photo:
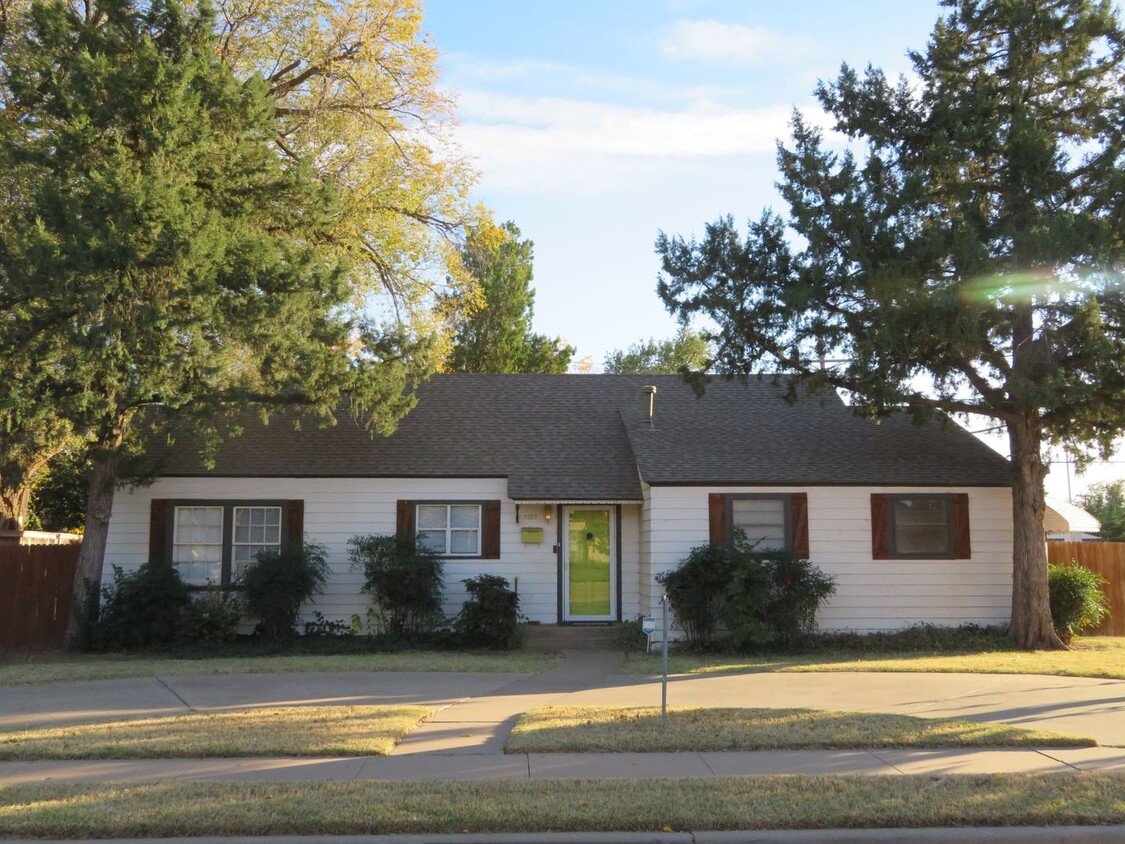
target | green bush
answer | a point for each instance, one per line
(212, 615)
(490, 617)
(919, 638)
(697, 588)
(798, 588)
(735, 597)
(142, 608)
(332, 628)
(277, 583)
(1077, 600)
(743, 610)
(403, 578)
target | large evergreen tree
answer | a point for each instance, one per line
(492, 323)
(963, 256)
(355, 96)
(156, 249)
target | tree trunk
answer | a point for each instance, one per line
(99, 508)
(1031, 610)
(13, 505)
(17, 477)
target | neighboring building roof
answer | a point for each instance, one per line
(1064, 517)
(584, 437)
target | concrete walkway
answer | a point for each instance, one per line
(464, 739)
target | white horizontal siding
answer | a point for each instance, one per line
(337, 509)
(870, 594)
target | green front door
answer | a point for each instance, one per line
(588, 579)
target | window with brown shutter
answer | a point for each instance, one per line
(764, 520)
(210, 541)
(922, 526)
(461, 529)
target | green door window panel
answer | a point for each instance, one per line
(589, 563)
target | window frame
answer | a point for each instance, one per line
(786, 500)
(228, 507)
(950, 552)
(478, 554)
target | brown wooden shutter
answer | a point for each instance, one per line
(404, 517)
(717, 516)
(490, 530)
(295, 522)
(158, 541)
(799, 515)
(880, 527)
(961, 547)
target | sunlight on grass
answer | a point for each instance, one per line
(120, 667)
(593, 729)
(1102, 656)
(281, 731)
(357, 807)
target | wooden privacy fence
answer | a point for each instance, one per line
(1108, 560)
(35, 587)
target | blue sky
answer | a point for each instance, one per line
(596, 124)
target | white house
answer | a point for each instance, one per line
(580, 489)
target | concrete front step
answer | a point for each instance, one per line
(555, 637)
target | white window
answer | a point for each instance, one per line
(762, 521)
(256, 529)
(197, 544)
(921, 526)
(450, 529)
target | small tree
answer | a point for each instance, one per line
(492, 324)
(1107, 504)
(403, 578)
(688, 350)
(278, 582)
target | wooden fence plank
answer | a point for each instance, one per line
(35, 589)
(1106, 559)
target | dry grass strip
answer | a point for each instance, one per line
(277, 731)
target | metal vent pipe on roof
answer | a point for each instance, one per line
(650, 393)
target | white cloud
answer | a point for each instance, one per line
(463, 70)
(540, 145)
(733, 43)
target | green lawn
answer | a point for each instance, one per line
(357, 807)
(592, 729)
(1100, 656)
(271, 731)
(48, 669)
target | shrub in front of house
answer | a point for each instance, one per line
(1077, 600)
(276, 584)
(142, 608)
(697, 589)
(212, 616)
(733, 596)
(797, 591)
(403, 578)
(490, 618)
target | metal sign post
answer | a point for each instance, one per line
(664, 660)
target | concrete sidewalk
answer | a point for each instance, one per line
(549, 766)
(465, 738)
